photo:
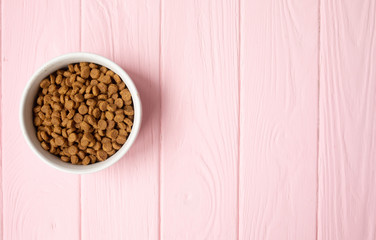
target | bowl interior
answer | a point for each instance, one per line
(27, 103)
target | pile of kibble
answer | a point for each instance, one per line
(83, 113)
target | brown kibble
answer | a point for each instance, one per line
(91, 151)
(102, 87)
(102, 97)
(88, 136)
(103, 69)
(37, 121)
(44, 136)
(101, 133)
(52, 88)
(44, 83)
(77, 118)
(85, 126)
(122, 125)
(84, 143)
(74, 159)
(37, 109)
(96, 113)
(112, 88)
(95, 90)
(128, 103)
(72, 137)
(103, 105)
(71, 68)
(64, 133)
(59, 141)
(125, 95)
(112, 152)
(65, 158)
(128, 110)
(107, 146)
(45, 146)
(91, 144)
(110, 73)
(59, 79)
(80, 79)
(102, 124)
(55, 121)
(97, 146)
(119, 102)
(67, 74)
(88, 89)
(106, 79)
(116, 146)
(111, 107)
(110, 124)
(85, 71)
(81, 154)
(52, 150)
(113, 133)
(121, 139)
(115, 96)
(93, 159)
(91, 120)
(117, 79)
(69, 104)
(78, 98)
(94, 73)
(121, 86)
(123, 132)
(76, 68)
(91, 102)
(101, 155)
(128, 122)
(57, 106)
(93, 65)
(86, 160)
(57, 130)
(73, 150)
(119, 117)
(40, 139)
(83, 109)
(109, 115)
(71, 114)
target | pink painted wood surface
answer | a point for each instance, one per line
(278, 119)
(199, 75)
(347, 151)
(38, 201)
(122, 202)
(258, 120)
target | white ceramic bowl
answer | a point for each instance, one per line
(28, 99)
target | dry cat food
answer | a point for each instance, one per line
(83, 113)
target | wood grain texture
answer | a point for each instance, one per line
(278, 119)
(39, 202)
(199, 74)
(347, 151)
(122, 202)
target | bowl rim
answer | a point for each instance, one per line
(44, 71)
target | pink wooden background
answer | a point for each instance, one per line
(260, 120)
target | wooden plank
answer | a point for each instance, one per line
(39, 202)
(199, 77)
(122, 202)
(347, 151)
(278, 119)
